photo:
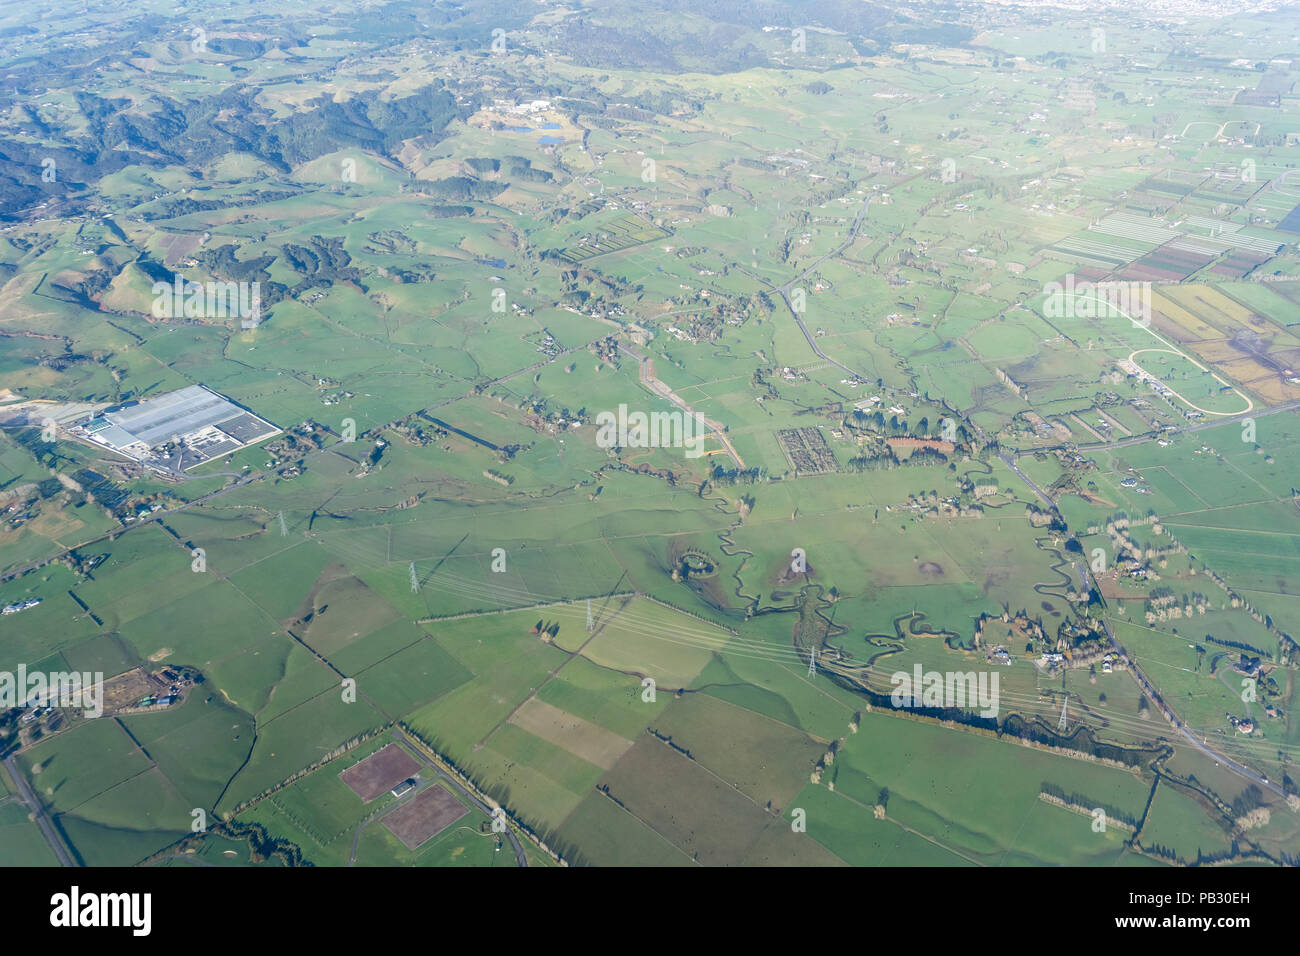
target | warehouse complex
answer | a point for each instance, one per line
(175, 432)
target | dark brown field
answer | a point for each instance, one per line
(424, 817)
(379, 772)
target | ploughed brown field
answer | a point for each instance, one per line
(424, 817)
(379, 772)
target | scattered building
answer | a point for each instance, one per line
(19, 606)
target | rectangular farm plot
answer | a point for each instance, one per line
(1176, 321)
(380, 772)
(579, 737)
(646, 639)
(685, 803)
(421, 819)
(614, 236)
(806, 450)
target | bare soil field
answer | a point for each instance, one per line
(379, 772)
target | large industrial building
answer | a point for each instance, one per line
(175, 432)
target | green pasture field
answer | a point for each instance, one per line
(70, 768)
(609, 699)
(296, 739)
(1259, 297)
(608, 835)
(99, 845)
(411, 677)
(644, 639)
(248, 678)
(1178, 821)
(543, 782)
(143, 570)
(199, 745)
(851, 830)
(507, 661)
(780, 692)
(948, 786)
(212, 623)
(21, 841)
(707, 820)
(941, 288)
(43, 631)
(739, 745)
(1260, 560)
(1171, 496)
(145, 805)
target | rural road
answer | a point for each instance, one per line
(785, 290)
(419, 748)
(1186, 429)
(645, 369)
(1084, 577)
(1136, 671)
(38, 812)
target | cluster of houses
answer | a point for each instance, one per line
(18, 514)
(521, 109)
(176, 681)
(999, 655)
